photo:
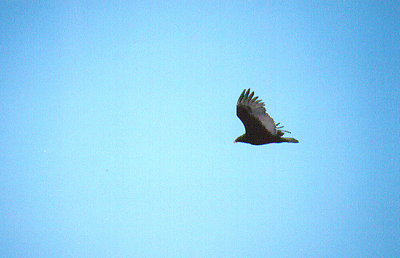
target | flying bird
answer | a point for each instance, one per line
(260, 127)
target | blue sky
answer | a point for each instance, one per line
(117, 123)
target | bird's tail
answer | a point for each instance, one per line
(284, 139)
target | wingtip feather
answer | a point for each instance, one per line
(241, 96)
(251, 95)
(246, 95)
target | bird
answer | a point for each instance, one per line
(260, 127)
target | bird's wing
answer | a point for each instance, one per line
(253, 114)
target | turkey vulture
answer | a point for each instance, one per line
(260, 127)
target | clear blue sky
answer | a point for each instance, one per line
(117, 123)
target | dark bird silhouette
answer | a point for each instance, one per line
(260, 127)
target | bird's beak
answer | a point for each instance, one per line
(234, 141)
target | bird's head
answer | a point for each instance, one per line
(240, 139)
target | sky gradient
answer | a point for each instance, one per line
(117, 123)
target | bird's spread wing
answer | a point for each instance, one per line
(253, 114)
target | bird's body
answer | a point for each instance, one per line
(260, 127)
